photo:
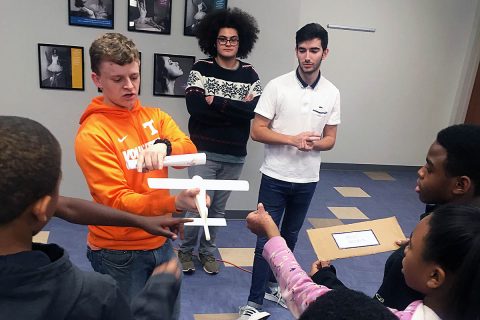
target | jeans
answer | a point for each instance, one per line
(281, 199)
(215, 170)
(131, 268)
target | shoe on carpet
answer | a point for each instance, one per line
(250, 313)
(210, 265)
(186, 259)
(275, 296)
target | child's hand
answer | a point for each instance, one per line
(170, 266)
(402, 242)
(261, 223)
(317, 265)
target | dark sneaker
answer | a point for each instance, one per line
(209, 263)
(187, 261)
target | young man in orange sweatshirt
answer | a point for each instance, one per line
(118, 138)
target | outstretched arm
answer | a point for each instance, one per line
(90, 213)
(296, 287)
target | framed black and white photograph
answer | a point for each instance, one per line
(91, 13)
(171, 74)
(153, 16)
(60, 67)
(195, 10)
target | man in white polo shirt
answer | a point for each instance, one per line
(296, 118)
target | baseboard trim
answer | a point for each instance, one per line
(236, 214)
(366, 167)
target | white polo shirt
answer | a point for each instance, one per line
(295, 108)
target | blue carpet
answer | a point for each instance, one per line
(225, 292)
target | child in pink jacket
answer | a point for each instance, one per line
(442, 261)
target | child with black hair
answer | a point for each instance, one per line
(39, 281)
(451, 174)
(441, 262)
(222, 92)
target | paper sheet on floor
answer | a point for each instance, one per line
(356, 239)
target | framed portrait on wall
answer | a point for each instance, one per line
(153, 16)
(60, 67)
(171, 74)
(91, 13)
(195, 10)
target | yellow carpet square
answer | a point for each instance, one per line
(322, 223)
(348, 213)
(41, 237)
(352, 192)
(218, 316)
(379, 175)
(242, 257)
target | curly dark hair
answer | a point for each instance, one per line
(29, 165)
(244, 23)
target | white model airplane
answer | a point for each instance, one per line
(200, 199)
(182, 160)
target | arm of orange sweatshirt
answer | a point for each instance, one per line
(181, 143)
(107, 181)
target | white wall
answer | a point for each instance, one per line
(399, 85)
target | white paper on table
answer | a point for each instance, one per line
(355, 239)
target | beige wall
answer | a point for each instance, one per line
(399, 85)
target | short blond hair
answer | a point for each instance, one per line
(114, 47)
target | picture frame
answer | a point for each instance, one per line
(195, 10)
(61, 67)
(91, 13)
(139, 88)
(171, 74)
(153, 16)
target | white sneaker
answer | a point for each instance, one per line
(250, 313)
(276, 297)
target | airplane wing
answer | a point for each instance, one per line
(216, 222)
(170, 183)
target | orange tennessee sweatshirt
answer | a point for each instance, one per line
(107, 146)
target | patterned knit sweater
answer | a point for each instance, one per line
(224, 126)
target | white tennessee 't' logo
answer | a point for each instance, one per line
(122, 138)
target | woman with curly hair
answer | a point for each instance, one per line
(222, 92)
